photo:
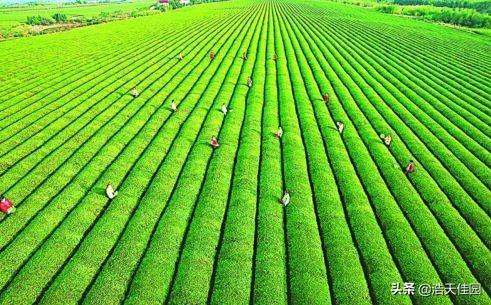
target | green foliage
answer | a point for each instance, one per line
(174, 4)
(39, 20)
(58, 17)
(461, 17)
(479, 6)
(194, 225)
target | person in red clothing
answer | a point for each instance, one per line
(212, 55)
(325, 98)
(409, 168)
(214, 142)
(6, 206)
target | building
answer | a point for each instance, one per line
(184, 2)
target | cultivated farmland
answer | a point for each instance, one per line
(196, 225)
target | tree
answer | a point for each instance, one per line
(58, 17)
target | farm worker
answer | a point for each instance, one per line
(340, 126)
(244, 56)
(224, 109)
(6, 206)
(214, 142)
(409, 167)
(249, 82)
(285, 200)
(134, 92)
(110, 192)
(180, 57)
(387, 139)
(275, 57)
(173, 106)
(279, 133)
(212, 55)
(325, 98)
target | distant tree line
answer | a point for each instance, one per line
(40, 20)
(462, 17)
(175, 4)
(60, 18)
(480, 6)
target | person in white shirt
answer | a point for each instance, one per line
(340, 126)
(387, 139)
(110, 192)
(249, 82)
(285, 200)
(279, 133)
(224, 109)
(134, 92)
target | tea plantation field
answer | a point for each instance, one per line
(194, 225)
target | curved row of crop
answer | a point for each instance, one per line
(73, 95)
(105, 243)
(196, 261)
(20, 106)
(468, 161)
(50, 75)
(328, 205)
(398, 195)
(442, 64)
(403, 202)
(460, 123)
(55, 139)
(443, 88)
(308, 274)
(231, 278)
(39, 174)
(269, 278)
(453, 191)
(166, 245)
(403, 250)
(64, 80)
(107, 288)
(447, 64)
(72, 57)
(107, 156)
(118, 46)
